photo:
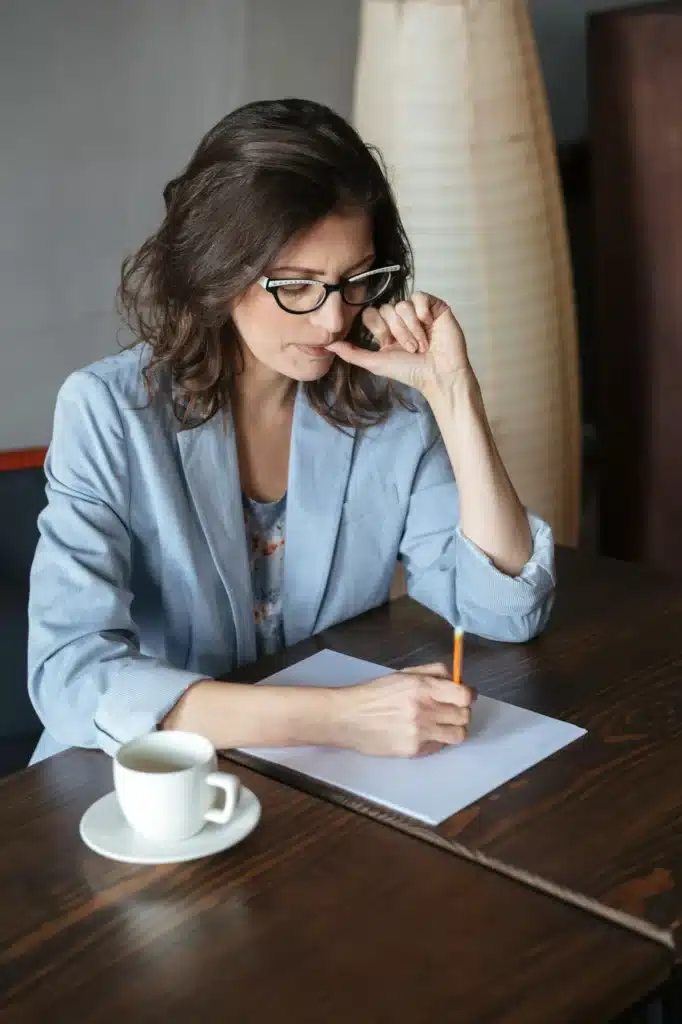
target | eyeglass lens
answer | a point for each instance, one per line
(301, 298)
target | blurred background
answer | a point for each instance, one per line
(101, 102)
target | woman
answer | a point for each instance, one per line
(288, 424)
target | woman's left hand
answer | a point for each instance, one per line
(420, 343)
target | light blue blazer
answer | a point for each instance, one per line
(141, 583)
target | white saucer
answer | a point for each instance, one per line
(104, 829)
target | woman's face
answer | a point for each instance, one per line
(293, 345)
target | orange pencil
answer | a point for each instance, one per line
(457, 645)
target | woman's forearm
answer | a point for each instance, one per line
(241, 715)
(491, 514)
(406, 713)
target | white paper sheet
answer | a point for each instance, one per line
(503, 741)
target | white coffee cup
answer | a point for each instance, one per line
(167, 782)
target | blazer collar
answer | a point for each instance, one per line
(319, 465)
(320, 460)
(209, 458)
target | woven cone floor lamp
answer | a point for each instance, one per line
(452, 94)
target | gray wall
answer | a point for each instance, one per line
(101, 102)
(302, 48)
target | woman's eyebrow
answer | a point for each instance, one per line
(309, 272)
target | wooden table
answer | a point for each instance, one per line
(603, 816)
(320, 915)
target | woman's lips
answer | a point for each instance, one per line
(316, 351)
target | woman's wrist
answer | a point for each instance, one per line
(458, 409)
(456, 400)
(301, 716)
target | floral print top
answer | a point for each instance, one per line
(264, 523)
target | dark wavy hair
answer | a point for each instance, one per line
(265, 173)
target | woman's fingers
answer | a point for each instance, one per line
(396, 325)
(356, 356)
(406, 324)
(444, 691)
(406, 312)
(400, 332)
(451, 714)
(448, 735)
(374, 322)
(434, 668)
(423, 304)
(436, 680)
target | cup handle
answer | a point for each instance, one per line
(231, 786)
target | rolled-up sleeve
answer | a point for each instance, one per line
(449, 574)
(88, 681)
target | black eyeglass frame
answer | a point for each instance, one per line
(272, 284)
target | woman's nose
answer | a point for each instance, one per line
(331, 314)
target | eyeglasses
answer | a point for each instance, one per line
(302, 295)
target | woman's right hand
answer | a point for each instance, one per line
(409, 713)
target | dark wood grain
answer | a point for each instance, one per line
(321, 915)
(635, 84)
(604, 815)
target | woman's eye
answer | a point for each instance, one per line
(294, 289)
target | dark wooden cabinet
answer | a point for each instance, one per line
(635, 98)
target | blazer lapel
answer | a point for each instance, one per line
(319, 464)
(209, 458)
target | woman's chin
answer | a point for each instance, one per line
(306, 368)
